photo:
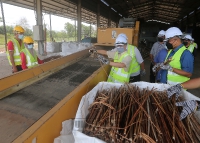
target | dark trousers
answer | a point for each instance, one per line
(152, 76)
(134, 78)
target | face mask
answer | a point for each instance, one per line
(120, 50)
(169, 45)
(30, 46)
(185, 43)
(21, 36)
(160, 39)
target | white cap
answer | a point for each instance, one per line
(123, 35)
(161, 33)
(188, 37)
(173, 31)
(120, 40)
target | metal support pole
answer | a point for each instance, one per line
(90, 29)
(4, 25)
(79, 20)
(98, 14)
(39, 23)
(51, 38)
(75, 30)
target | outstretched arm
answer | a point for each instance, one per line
(192, 84)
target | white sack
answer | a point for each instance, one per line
(89, 98)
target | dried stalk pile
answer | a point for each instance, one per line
(131, 115)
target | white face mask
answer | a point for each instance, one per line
(30, 46)
(21, 36)
(120, 50)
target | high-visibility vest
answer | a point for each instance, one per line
(195, 44)
(119, 75)
(173, 78)
(31, 61)
(191, 48)
(17, 50)
(134, 66)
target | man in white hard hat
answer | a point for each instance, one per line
(157, 46)
(180, 69)
(120, 71)
(187, 41)
(137, 64)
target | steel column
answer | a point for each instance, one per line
(79, 20)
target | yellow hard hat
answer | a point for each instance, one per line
(28, 40)
(19, 29)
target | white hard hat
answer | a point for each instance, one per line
(123, 35)
(173, 31)
(120, 40)
(161, 33)
(188, 37)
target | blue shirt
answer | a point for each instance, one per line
(160, 57)
(187, 59)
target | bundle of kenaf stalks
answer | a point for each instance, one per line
(131, 115)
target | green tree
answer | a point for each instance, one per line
(70, 29)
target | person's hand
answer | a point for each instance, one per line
(142, 72)
(103, 59)
(166, 67)
(176, 89)
(92, 50)
(155, 67)
(188, 107)
(14, 69)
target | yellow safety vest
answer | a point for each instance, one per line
(191, 48)
(119, 75)
(17, 50)
(173, 78)
(31, 61)
(134, 67)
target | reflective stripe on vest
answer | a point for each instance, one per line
(119, 75)
(31, 61)
(191, 48)
(173, 78)
(134, 67)
(17, 50)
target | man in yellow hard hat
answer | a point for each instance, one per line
(14, 47)
(28, 55)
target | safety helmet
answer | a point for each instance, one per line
(172, 32)
(123, 35)
(188, 37)
(120, 40)
(161, 33)
(28, 40)
(19, 29)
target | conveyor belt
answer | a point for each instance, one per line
(21, 109)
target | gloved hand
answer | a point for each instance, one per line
(103, 59)
(142, 72)
(92, 50)
(176, 89)
(188, 107)
(155, 67)
(166, 67)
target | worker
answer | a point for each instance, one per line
(180, 68)
(14, 48)
(195, 48)
(157, 46)
(187, 41)
(28, 55)
(190, 105)
(119, 72)
(137, 67)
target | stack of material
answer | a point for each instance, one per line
(73, 47)
(128, 114)
(53, 47)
